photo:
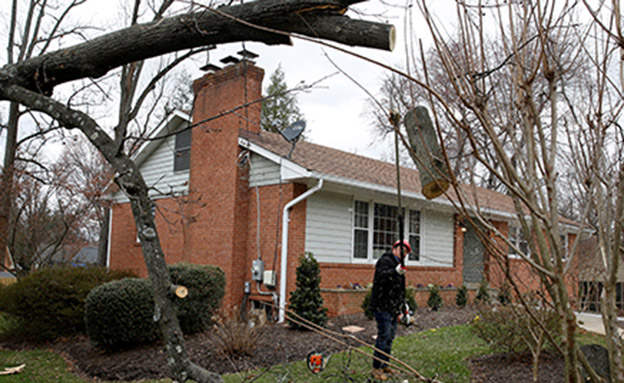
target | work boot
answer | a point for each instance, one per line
(388, 370)
(378, 374)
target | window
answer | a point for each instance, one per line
(360, 230)
(375, 230)
(564, 245)
(182, 154)
(516, 237)
(385, 228)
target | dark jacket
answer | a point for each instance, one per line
(388, 286)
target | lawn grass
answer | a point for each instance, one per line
(442, 353)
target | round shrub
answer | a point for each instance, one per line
(50, 302)
(206, 288)
(119, 314)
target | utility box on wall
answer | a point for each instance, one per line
(269, 278)
(257, 270)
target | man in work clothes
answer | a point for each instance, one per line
(387, 301)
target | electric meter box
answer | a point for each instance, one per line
(257, 270)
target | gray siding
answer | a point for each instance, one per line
(158, 172)
(328, 227)
(263, 171)
(437, 239)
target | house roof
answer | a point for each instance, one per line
(323, 161)
(310, 160)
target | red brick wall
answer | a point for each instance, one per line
(126, 251)
(219, 234)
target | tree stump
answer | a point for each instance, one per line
(426, 152)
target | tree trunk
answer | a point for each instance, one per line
(6, 194)
(103, 239)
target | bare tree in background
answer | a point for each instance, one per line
(33, 27)
(81, 177)
(532, 83)
(31, 83)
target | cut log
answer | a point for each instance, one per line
(12, 370)
(426, 152)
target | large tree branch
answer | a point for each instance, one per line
(94, 58)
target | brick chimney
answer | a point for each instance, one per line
(218, 234)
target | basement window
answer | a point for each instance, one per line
(182, 153)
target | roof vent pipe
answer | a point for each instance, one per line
(284, 258)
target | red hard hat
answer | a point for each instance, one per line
(405, 243)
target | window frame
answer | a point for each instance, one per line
(517, 238)
(181, 151)
(370, 229)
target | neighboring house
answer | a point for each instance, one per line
(7, 268)
(87, 256)
(226, 194)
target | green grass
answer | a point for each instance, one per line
(442, 353)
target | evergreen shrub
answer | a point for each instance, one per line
(435, 300)
(306, 300)
(483, 295)
(119, 314)
(206, 288)
(461, 299)
(49, 303)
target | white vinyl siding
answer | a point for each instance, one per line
(330, 231)
(328, 227)
(436, 238)
(263, 171)
(157, 170)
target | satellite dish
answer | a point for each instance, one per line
(292, 133)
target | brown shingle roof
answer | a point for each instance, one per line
(325, 160)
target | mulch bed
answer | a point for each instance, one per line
(280, 344)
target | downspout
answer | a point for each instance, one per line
(284, 258)
(110, 236)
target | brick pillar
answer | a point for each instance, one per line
(218, 235)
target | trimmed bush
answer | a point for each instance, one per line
(306, 300)
(409, 297)
(50, 302)
(119, 314)
(483, 295)
(461, 299)
(206, 287)
(435, 300)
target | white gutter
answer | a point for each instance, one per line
(110, 237)
(284, 258)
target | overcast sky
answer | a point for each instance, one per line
(335, 110)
